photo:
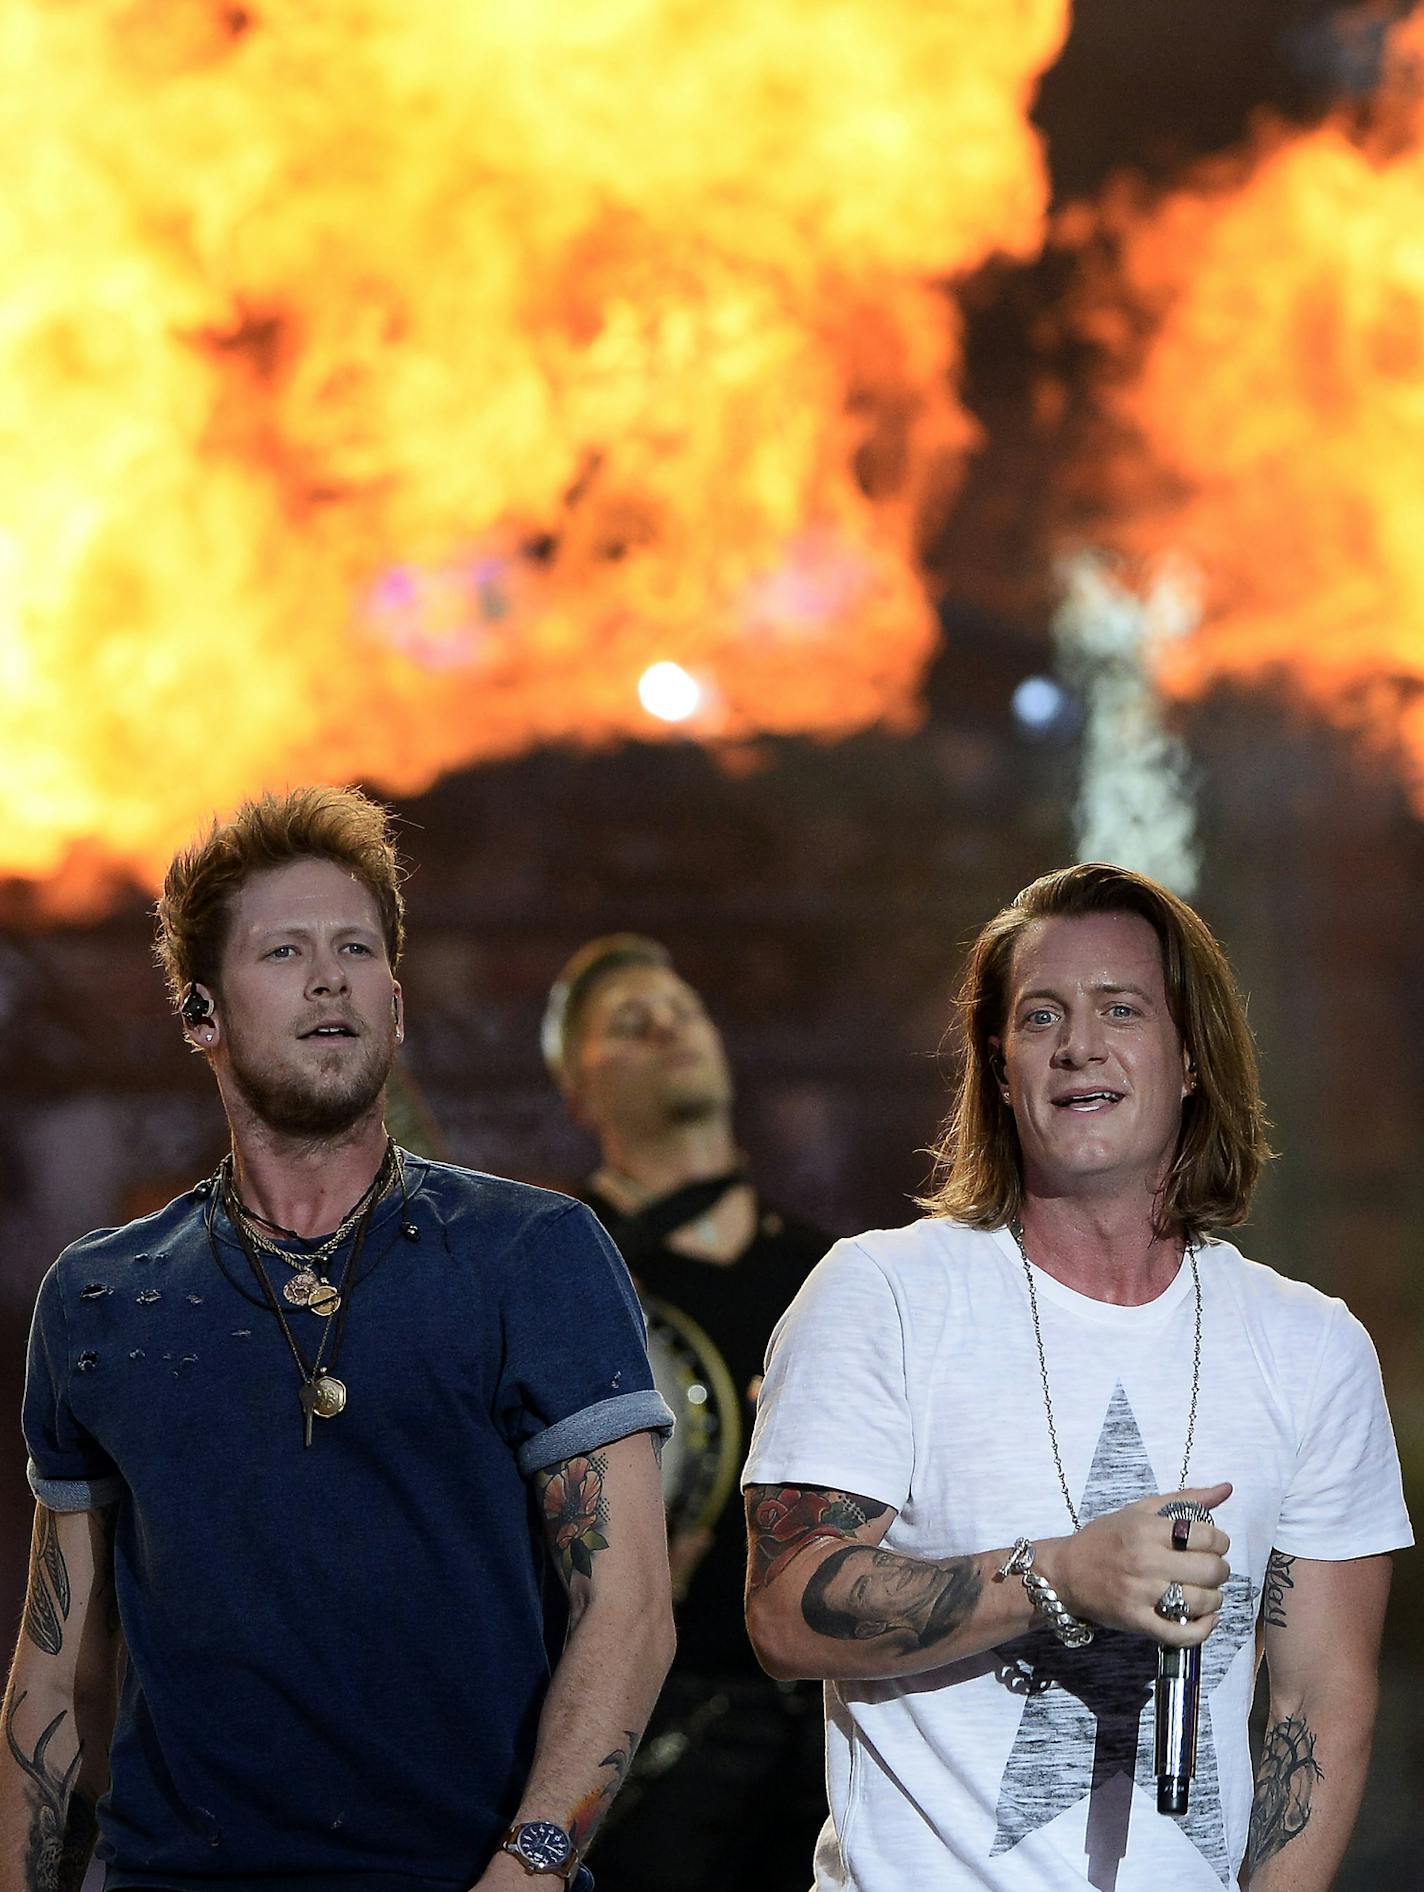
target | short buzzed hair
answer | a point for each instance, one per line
(571, 991)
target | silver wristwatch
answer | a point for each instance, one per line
(542, 1847)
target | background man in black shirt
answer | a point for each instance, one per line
(728, 1788)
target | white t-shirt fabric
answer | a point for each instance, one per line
(906, 1370)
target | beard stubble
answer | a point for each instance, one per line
(302, 1104)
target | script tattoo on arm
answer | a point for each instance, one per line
(783, 1519)
(62, 1825)
(588, 1814)
(48, 1597)
(575, 1512)
(1285, 1778)
(1278, 1581)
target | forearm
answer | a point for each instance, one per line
(806, 1629)
(594, 1714)
(53, 1770)
(1309, 1781)
(59, 1706)
(827, 1599)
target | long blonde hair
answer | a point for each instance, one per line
(978, 1175)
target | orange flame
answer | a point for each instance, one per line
(387, 385)
(1279, 409)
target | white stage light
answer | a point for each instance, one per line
(668, 692)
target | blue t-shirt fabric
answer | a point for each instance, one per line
(336, 1658)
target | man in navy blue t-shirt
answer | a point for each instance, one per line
(304, 1443)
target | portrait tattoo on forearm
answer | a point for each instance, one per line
(48, 1597)
(864, 1593)
(1285, 1778)
(783, 1519)
(587, 1815)
(62, 1825)
(575, 1512)
(1278, 1581)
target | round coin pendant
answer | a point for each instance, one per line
(328, 1396)
(323, 1299)
(299, 1289)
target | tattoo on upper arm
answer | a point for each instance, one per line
(48, 1597)
(1278, 1581)
(62, 1824)
(586, 1816)
(575, 1512)
(864, 1593)
(1285, 1778)
(784, 1519)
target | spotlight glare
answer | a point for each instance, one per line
(666, 691)
(1038, 702)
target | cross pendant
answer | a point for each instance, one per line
(307, 1395)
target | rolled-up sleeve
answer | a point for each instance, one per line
(68, 1469)
(576, 1371)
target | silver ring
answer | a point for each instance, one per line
(1185, 1508)
(1172, 1604)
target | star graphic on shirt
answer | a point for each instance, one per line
(1087, 1729)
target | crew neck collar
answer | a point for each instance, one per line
(1087, 1306)
(386, 1211)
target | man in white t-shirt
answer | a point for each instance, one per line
(970, 1427)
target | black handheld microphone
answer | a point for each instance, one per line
(1178, 1700)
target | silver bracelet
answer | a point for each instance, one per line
(1069, 1629)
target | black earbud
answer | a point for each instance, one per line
(196, 1006)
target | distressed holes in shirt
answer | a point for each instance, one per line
(86, 1362)
(137, 1353)
(196, 1300)
(242, 1333)
(95, 1291)
(617, 1379)
(147, 1296)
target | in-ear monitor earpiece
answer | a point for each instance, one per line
(196, 1006)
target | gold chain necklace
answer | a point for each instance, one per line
(308, 1286)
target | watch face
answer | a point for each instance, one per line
(543, 1844)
